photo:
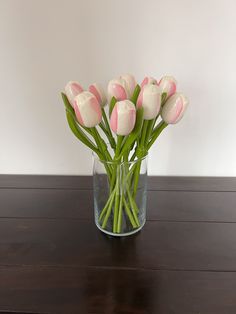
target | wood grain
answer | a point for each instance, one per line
(161, 205)
(161, 183)
(98, 291)
(54, 260)
(161, 245)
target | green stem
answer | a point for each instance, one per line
(144, 131)
(109, 133)
(133, 156)
(134, 135)
(117, 200)
(126, 162)
(100, 142)
(162, 125)
(149, 129)
(119, 222)
(140, 154)
(136, 178)
(105, 156)
(134, 207)
(129, 214)
(108, 212)
(114, 179)
(116, 159)
(102, 126)
(106, 206)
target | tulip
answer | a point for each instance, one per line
(150, 99)
(130, 83)
(97, 90)
(123, 117)
(118, 89)
(87, 109)
(72, 89)
(168, 85)
(148, 80)
(174, 108)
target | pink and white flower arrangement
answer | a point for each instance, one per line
(137, 116)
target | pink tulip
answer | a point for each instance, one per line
(148, 80)
(87, 109)
(130, 83)
(150, 99)
(123, 117)
(117, 88)
(168, 85)
(174, 108)
(97, 90)
(72, 89)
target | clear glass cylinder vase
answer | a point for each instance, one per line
(120, 193)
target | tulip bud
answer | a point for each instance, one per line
(130, 83)
(174, 108)
(117, 88)
(148, 80)
(97, 90)
(72, 89)
(168, 85)
(123, 117)
(87, 109)
(150, 99)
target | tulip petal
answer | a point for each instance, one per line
(130, 83)
(72, 89)
(176, 111)
(126, 119)
(113, 120)
(87, 109)
(117, 88)
(119, 92)
(168, 85)
(150, 99)
(95, 92)
(140, 99)
(78, 114)
(144, 82)
(148, 80)
(123, 117)
(174, 108)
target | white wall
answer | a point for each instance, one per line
(45, 43)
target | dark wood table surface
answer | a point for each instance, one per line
(53, 259)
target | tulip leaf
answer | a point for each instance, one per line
(67, 104)
(112, 105)
(79, 133)
(135, 133)
(163, 98)
(135, 95)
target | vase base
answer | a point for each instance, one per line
(125, 234)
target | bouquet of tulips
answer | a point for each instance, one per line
(136, 116)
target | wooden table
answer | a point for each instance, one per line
(54, 260)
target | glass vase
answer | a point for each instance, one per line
(120, 193)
